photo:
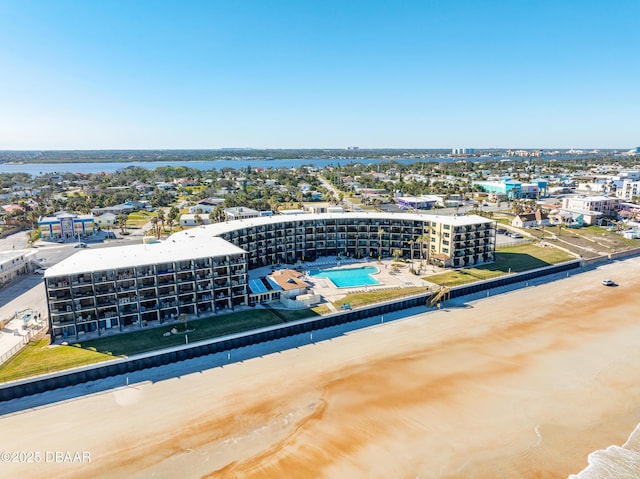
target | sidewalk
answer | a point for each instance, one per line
(17, 333)
(28, 294)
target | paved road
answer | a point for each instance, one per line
(27, 291)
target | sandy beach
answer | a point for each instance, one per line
(521, 385)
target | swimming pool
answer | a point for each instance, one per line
(349, 277)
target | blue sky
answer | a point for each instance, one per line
(319, 74)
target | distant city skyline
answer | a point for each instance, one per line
(286, 75)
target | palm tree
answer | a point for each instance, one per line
(121, 221)
(161, 218)
(156, 230)
(33, 216)
(380, 233)
(173, 213)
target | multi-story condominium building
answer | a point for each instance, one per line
(465, 240)
(205, 269)
(102, 289)
(629, 189)
(606, 205)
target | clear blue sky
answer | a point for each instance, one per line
(306, 74)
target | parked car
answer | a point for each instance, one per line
(516, 235)
(39, 271)
(608, 282)
(501, 231)
(80, 245)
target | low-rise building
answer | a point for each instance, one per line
(123, 208)
(196, 219)
(14, 263)
(424, 202)
(105, 220)
(240, 213)
(66, 226)
(206, 206)
(530, 220)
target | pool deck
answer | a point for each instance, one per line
(387, 275)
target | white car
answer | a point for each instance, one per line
(608, 282)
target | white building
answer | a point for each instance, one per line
(606, 205)
(206, 206)
(105, 220)
(15, 262)
(630, 188)
(240, 213)
(189, 219)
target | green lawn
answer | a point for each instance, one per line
(512, 259)
(370, 297)
(137, 219)
(38, 358)
(206, 328)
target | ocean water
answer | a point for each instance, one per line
(614, 462)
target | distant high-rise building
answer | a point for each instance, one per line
(463, 151)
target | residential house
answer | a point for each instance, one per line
(530, 220)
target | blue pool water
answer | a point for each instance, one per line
(345, 278)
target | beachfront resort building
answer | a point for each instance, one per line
(205, 269)
(118, 288)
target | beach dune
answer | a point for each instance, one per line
(525, 384)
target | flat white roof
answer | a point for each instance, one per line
(8, 255)
(594, 198)
(189, 246)
(418, 199)
(218, 229)
(204, 241)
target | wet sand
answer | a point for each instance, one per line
(521, 385)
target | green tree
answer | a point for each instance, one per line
(121, 221)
